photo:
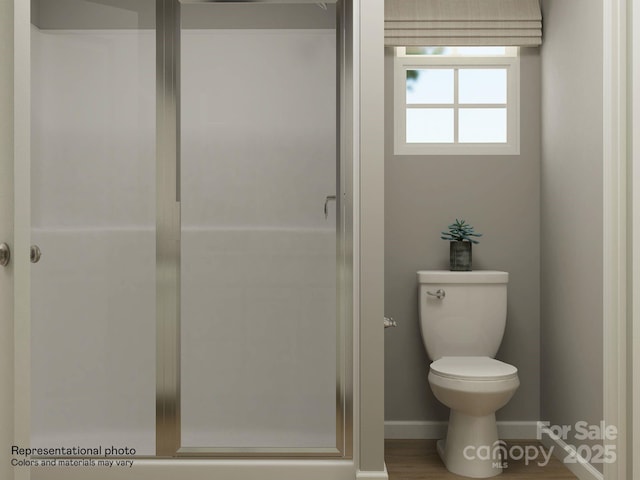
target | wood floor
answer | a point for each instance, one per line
(418, 459)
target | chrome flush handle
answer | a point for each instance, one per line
(439, 294)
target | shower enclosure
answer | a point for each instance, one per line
(191, 195)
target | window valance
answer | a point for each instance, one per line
(463, 22)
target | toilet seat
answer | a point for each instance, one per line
(473, 368)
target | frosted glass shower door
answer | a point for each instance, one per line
(258, 254)
(93, 217)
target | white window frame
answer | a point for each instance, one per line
(404, 62)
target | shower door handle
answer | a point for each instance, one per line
(35, 254)
(326, 204)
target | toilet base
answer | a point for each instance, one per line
(468, 438)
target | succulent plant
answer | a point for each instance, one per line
(460, 231)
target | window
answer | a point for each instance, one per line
(457, 101)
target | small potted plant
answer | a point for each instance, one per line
(460, 235)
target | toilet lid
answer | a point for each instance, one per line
(473, 368)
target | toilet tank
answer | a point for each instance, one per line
(469, 317)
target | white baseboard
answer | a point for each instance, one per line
(436, 430)
(581, 468)
(366, 475)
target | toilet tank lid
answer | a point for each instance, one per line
(473, 368)
(475, 276)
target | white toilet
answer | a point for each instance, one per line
(462, 319)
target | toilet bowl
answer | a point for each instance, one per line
(473, 388)
(462, 321)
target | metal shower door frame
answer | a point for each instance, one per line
(168, 233)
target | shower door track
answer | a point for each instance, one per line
(168, 426)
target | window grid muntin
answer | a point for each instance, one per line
(456, 94)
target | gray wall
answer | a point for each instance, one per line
(571, 212)
(500, 196)
(6, 235)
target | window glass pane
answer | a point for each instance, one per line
(429, 50)
(482, 125)
(433, 85)
(430, 125)
(482, 85)
(457, 51)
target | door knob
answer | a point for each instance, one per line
(5, 254)
(35, 254)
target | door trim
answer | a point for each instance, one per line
(616, 290)
(633, 91)
(22, 227)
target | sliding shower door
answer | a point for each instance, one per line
(258, 181)
(191, 215)
(93, 220)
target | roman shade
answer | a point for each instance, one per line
(462, 22)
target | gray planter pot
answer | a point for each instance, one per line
(460, 256)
